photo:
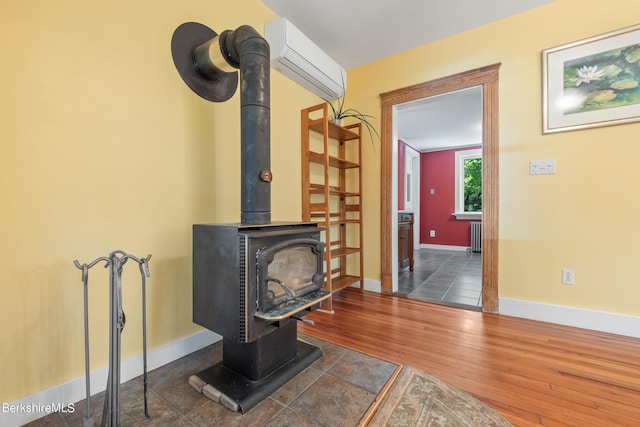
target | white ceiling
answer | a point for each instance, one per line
(444, 121)
(357, 32)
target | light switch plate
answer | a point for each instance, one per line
(542, 167)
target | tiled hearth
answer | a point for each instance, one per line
(336, 390)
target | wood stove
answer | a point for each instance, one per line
(250, 284)
(252, 280)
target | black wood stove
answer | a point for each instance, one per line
(250, 283)
(253, 280)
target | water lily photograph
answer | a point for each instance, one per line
(592, 82)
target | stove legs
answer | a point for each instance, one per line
(257, 359)
(251, 372)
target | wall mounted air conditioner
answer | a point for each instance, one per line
(297, 57)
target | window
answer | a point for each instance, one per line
(468, 181)
(410, 189)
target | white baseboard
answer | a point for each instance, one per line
(372, 285)
(614, 323)
(369, 285)
(602, 321)
(62, 396)
(444, 247)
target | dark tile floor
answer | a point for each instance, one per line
(444, 276)
(336, 390)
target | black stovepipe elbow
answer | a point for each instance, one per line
(212, 75)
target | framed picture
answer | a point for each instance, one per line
(592, 82)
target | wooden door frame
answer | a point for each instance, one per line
(487, 77)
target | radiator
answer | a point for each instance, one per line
(476, 237)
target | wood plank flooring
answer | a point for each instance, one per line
(533, 373)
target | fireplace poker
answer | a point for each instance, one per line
(88, 419)
(144, 273)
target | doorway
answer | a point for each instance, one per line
(440, 142)
(487, 77)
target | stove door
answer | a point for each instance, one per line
(290, 278)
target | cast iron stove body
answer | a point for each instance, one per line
(248, 282)
(247, 278)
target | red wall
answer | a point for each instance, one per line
(437, 171)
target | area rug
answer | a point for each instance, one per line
(419, 399)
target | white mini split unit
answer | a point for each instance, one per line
(297, 57)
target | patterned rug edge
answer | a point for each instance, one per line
(419, 399)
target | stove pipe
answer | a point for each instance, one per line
(207, 62)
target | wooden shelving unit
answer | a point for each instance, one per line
(331, 195)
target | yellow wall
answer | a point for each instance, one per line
(103, 147)
(583, 217)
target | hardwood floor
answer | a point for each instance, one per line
(532, 373)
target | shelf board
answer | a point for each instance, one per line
(318, 208)
(344, 221)
(335, 162)
(337, 253)
(335, 131)
(319, 219)
(339, 283)
(333, 191)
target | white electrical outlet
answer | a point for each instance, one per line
(432, 233)
(568, 276)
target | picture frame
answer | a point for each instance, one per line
(592, 82)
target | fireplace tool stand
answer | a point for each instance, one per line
(115, 262)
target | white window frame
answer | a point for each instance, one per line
(409, 183)
(460, 157)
